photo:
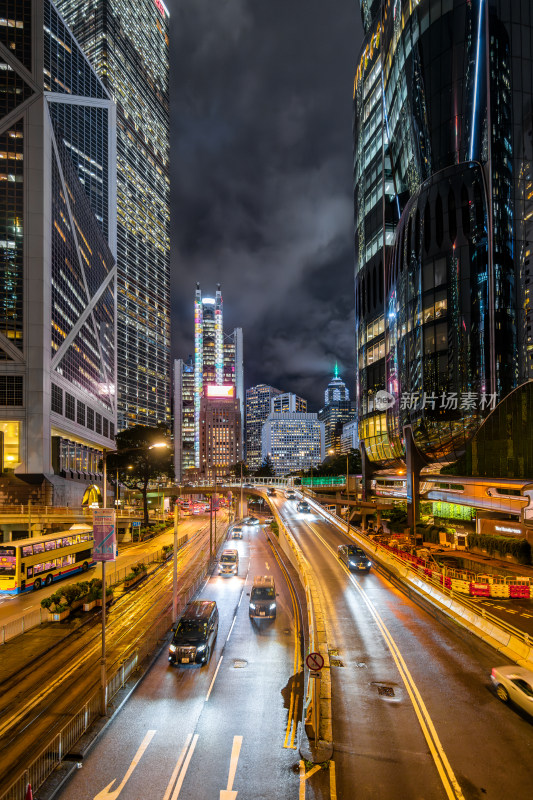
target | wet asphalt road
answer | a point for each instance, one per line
(197, 731)
(409, 686)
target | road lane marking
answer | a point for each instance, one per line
(106, 794)
(447, 776)
(214, 678)
(232, 624)
(177, 767)
(292, 721)
(229, 793)
(332, 781)
(183, 771)
(301, 793)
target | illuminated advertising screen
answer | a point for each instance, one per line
(225, 390)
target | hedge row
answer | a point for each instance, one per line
(503, 545)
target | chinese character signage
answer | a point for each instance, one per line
(104, 534)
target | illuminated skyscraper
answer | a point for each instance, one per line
(127, 44)
(258, 407)
(57, 265)
(218, 360)
(338, 409)
(220, 431)
(183, 403)
(443, 94)
(293, 440)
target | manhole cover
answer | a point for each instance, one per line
(386, 691)
(336, 662)
(361, 665)
(239, 663)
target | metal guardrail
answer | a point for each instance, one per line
(370, 545)
(63, 742)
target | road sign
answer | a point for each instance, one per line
(315, 661)
(104, 534)
(136, 523)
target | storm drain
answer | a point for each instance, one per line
(334, 652)
(386, 691)
(336, 662)
(239, 663)
(361, 665)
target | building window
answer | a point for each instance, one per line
(11, 390)
(106, 428)
(10, 431)
(57, 399)
(90, 419)
(80, 413)
(98, 423)
(70, 406)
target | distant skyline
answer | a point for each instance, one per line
(261, 182)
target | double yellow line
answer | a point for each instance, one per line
(447, 776)
(292, 719)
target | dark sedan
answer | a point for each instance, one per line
(354, 558)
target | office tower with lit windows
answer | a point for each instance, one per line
(338, 409)
(127, 44)
(293, 440)
(57, 259)
(220, 431)
(183, 404)
(218, 361)
(258, 407)
(442, 180)
(285, 402)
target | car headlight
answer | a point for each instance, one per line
(172, 648)
(200, 648)
(368, 564)
(252, 606)
(352, 563)
(272, 606)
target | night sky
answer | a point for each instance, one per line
(261, 172)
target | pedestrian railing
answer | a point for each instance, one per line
(63, 742)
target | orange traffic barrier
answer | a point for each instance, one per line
(479, 589)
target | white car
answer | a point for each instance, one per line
(515, 684)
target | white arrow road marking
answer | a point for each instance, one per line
(228, 793)
(106, 794)
(177, 767)
(266, 565)
(179, 784)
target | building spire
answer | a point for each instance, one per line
(336, 373)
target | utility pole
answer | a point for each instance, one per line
(347, 497)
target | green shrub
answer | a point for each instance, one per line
(502, 545)
(274, 528)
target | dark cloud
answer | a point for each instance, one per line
(261, 154)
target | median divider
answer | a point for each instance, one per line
(316, 742)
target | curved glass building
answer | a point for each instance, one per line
(443, 209)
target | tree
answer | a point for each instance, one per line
(266, 470)
(336, 465)
(143, 455)
(235, 470)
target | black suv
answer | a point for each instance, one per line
(354, 558)
(195, 634)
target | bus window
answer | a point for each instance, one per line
(67, 541)
(27, 550)
(8, 560)
(38, 547)
(51, 545)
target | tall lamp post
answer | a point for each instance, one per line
(175, 561)
(347, 496)
(103, 665)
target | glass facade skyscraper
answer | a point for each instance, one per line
(57, 259)
(127, 44)
(258, 407)
(442, 138)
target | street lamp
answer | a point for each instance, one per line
(347, 497)
(103, 665)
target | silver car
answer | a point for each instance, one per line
(515, 684)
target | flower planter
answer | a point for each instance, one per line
(55, 616)
(77, 603)
(99, 601)
(89, 605)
